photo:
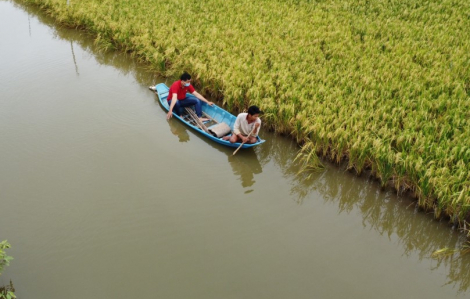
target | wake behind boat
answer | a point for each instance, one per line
(220, 122)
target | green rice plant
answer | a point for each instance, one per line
(384, 84)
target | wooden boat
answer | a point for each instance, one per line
(217, 116)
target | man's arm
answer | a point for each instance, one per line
(257, 127)
(199, 96)
(172, 105)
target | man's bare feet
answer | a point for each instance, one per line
(203, 119)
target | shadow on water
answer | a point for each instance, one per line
(383, 211)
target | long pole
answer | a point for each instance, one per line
(254, 127)
(196, 119)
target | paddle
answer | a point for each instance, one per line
(254, 127)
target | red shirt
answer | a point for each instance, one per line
(179, 90)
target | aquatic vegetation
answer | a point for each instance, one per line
(4, 258)
(383, 85)
(8, 291)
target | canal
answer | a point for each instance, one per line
(102, 197)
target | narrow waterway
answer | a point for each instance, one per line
(102, 197)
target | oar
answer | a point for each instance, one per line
(254, 127)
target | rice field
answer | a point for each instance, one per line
(382, 85)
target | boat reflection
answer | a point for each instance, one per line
(245, 164)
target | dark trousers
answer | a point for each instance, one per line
(190, 100)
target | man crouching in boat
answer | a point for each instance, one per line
(246, 127)
(177, 97)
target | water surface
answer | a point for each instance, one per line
(102, 197)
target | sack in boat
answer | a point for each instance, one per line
(219, 130)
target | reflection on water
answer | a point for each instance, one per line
(245, 164)
(120, 60)
(390, 215)
(178, 129)
(74, 60)
(458, 273)
(393, 216)
(29, 25)
(283, 154)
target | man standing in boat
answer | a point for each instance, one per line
(178, 97)
(246, 127)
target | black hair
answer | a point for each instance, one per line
(185, 76)
(254, 110)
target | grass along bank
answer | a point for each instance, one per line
(384, 85)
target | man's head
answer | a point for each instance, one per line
(253, 112)
(185, 79)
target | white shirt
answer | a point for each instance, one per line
(242, 126)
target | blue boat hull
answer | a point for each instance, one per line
(214, 111)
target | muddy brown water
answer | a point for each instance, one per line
(101, 197)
